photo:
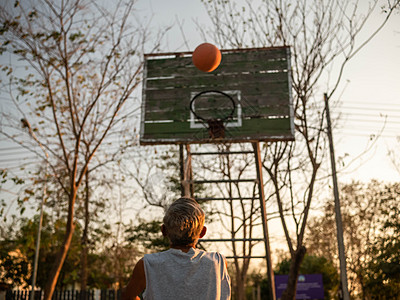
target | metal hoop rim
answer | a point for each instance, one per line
(212, 91)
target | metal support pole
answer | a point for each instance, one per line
(270, 272)
(181, 169)
(186, 172)
(339, 226)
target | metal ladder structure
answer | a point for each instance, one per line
(187, 188)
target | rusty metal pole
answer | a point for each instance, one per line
(182, 169)
(186, 172)
(189, 173)
(270, 271)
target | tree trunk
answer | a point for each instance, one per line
(58, 263)
(84, 266)
(239, 288)
(62, 254)
(290, 292)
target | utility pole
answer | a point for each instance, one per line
(338, 214)
(26, 124)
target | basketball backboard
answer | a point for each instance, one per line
(249, 94)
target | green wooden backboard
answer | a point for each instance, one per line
(250, 86)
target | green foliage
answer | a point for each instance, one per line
(315, 265)
(383, 273)
(169, 164)
(148, 235)
(14, 266)
(310, 265)
(17, 250)
(98, 275)
(51, 238)
(257, 283)
(370, 214)
(5, 179)
(24, 243)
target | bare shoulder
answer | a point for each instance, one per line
(137, 282)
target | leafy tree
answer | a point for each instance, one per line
(21, 241)
(14, 266)
(83, 64)
(156, 172)
(315, 265)
(108, 245)
(18, 249)
(369, 212)
(383, 270)
(148, 234)
(323, 36)
(310, 265)
(7, 179)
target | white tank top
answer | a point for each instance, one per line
(196, 275)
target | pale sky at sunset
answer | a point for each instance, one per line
(370, 90)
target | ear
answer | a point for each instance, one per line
(203, 232)
(163, 230)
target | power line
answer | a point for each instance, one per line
(383, 122)
(394, 103)
(370, 108)
(11, 148)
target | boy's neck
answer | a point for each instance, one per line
(183, 248)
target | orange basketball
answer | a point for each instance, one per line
(206, 57)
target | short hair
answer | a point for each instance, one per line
(184, 220)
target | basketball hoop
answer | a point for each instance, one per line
(184, 105)
(215, 126)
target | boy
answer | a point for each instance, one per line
(182, 272)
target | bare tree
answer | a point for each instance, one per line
(155, 171)
(394, 158)
(90, 205)
(83, 63)
(324, 36)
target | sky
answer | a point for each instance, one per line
(369, 95)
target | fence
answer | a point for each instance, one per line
(66, 295)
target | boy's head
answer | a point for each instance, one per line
(184, 222)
